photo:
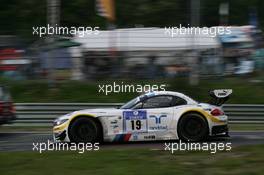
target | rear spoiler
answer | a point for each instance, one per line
(219, 96)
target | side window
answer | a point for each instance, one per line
(177, 101)
(138, 106)
(158, 102)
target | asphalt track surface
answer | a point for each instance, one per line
(23, 141)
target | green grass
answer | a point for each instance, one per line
(240, 160)
(245, 91)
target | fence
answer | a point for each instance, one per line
(41, 114)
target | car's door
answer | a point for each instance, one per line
(153, 114)
(159, 112)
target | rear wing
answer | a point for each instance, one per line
(219, 96)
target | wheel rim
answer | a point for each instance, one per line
(86, 132)
(193, 128)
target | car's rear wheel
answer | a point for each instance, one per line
(85, 130)
(192, 127)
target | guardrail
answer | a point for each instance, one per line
(41, 114)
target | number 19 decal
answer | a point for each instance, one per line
(135, 124)
(135, 121)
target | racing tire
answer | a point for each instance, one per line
(85, 130)
(192, 127)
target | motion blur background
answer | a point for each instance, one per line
(131, 48)
(131, 44)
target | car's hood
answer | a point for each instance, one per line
(94, 112)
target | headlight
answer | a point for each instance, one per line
(59, 121)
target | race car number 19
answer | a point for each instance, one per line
(135, 121)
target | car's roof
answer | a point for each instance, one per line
(178, 94)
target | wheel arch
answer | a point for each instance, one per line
(196, 112)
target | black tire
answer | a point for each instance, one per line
(85, 130)
(192, 127)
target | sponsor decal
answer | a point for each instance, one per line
(158, 118)
(132, 115)
(135, 112)
(135, 137)
(114, 126)
(150, 137)
(158, 121)
(221, 93)
(159, 127)
(122, 137)
(113, 122)
(135, 121)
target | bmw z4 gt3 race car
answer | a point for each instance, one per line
(161, 115)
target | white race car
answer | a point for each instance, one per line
(161, 115)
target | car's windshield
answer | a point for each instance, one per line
(130, 104)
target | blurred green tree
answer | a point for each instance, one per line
(18, 17)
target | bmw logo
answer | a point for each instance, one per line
(135, 112)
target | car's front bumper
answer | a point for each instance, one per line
(60, 136)
(60, 133)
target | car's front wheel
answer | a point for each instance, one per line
(192, 127)
(85, 130)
